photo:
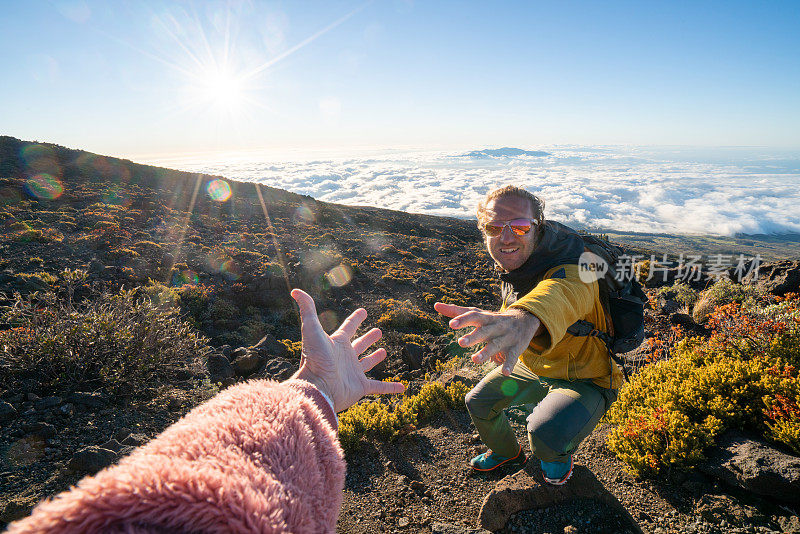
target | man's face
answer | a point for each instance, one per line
(508, 249)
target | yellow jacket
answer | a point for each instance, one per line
(559, 297)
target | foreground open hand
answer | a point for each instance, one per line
(506, 334)
(331, 362)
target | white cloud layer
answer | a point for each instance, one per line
(720, 191)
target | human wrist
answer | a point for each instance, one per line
(308, 376)
(530, 319)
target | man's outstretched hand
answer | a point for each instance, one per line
(506, 334)
(331, 362)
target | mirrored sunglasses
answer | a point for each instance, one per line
(518, 226)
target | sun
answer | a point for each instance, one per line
(221, 88)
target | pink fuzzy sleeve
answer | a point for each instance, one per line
(258, 457)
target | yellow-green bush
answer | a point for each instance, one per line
(295, 348)
(377, 419)
(413, 338)
(405, 316)
(745, 376)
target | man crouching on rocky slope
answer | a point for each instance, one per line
(562, 377)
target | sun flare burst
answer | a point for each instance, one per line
(222, 88)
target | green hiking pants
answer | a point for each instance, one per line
(562, 412)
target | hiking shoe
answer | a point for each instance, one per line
(557, 473)
(488, 461)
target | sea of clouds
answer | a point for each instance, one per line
(721, 191)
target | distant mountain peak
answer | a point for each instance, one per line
(506, 152)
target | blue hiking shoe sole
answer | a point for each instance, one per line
(563, 479)
(489, 461)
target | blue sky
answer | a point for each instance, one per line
(135, 78)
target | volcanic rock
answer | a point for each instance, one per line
(219, 368)
(447, 528)
(754, 465)
(412, 355)
(269, 345)
(7, 412)
(247, 364)
(526, 489)
(92, 400)
(91, 459)
(780, 278)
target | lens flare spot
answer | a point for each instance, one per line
(185, 277)
(230, 270)
(509, 387)
(340, 275)
(44, 187)
(219, 190)
(40, 159)
(304, 214)
(329, 320)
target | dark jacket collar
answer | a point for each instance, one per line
(558, 244)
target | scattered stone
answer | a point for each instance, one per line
(247, 364)
(681, 319)
(29, 386)
(91, 400)
(448, 528)
(467, 376)
(268, 345)
(16, 399)
(227, 382)
(418, 486)
(91, 459)
(43, 430)
(7, 412)
(135, 440)
(780, 278)
(47, 403)
(67, 409)
(238, 353)
(112, 445)
(754, 465)
(278, 369)
(412, 355)
(96, 266)
(122, 433)
(403, 522)
(669, 306)
(219, 368)
(14, 510)
(526, 490)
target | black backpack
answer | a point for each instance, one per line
(623, 301)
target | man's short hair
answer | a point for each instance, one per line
(537, 204)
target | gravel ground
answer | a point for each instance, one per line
(422, 480)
